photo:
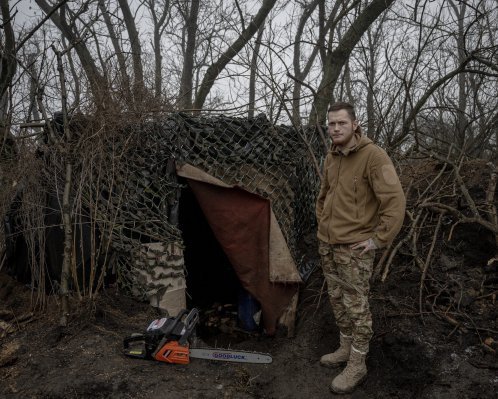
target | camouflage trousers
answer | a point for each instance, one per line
(348, 283)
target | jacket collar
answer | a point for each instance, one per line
(360, 141)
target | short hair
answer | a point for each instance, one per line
(337, 106)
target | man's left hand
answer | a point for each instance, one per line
(367, 245)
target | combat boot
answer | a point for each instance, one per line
(341, 355)
(354, 373)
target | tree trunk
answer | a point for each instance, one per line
(125, 79)
(215, 69)
(136, 50)
(299, 74)
(75, 77)
(254, 68)
(159, 26)
(335, 59)
(8, 62)
(33, 113)
(8, 67)
(66, 200)
(186, 87)
(97, 82)
(462, 122)
(405, 129)
(370, 66)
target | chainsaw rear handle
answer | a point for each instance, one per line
(134, 351)
(133, 338)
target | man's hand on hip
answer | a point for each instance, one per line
(367, 245)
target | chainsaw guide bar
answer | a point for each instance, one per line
(228, 355)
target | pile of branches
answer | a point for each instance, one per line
(450, 237)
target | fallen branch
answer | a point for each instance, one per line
(24, 318)
(461, 184)
(483, 365)
(6, 314)
(487, 295)
(490, 195)
(6, 328)
(438, 207)
(398, 246)
(428, 261)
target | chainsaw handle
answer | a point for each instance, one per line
(170, 328)
(189, 323)
(133, 338)
(192, 319)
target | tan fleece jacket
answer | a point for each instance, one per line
(360, 197)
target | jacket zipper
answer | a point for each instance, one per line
(335, 190)
(355, 181)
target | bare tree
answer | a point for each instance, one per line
(299, 72)
(121, 59)
(190, 16)
(462, 123)
(233, 49)
(66, 198)
(371, 61)
(8, 62)
(336, 58)
(136, 50)
(160, 20)
(254, 72)
(98, 84)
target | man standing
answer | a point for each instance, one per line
(360, 208)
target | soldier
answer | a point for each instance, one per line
(360, 208)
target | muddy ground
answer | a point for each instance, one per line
(412, 356)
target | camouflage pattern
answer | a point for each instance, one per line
(348, 281)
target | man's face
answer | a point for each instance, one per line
(341, 128)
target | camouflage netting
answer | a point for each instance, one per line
(127, 191)
(263, 159)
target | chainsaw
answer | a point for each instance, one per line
(167, 340)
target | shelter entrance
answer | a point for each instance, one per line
(211, 279)
(238, 230)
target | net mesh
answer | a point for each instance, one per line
(126, 190)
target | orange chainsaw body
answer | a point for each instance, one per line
(173, 352)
